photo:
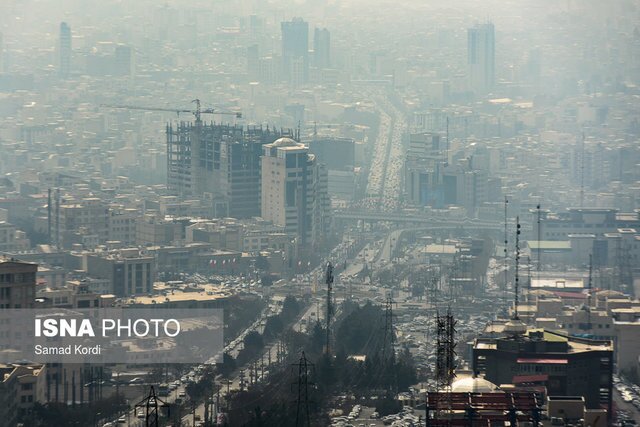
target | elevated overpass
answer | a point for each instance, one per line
(418, 220)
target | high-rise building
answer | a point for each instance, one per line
(481, 57)
(65, 50)
(567, 365)
(423, 170)
(17, 284)
(322, 48)
(295, 50)
(253, 62)
(123, 61)
(294, 191)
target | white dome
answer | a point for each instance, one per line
(285, 142)
(473, 385)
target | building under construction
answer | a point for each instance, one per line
(220, 162)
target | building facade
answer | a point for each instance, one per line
(294, 191)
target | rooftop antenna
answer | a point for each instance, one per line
(515, 287)
(589, 283)
(528, 278)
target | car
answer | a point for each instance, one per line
(136, 380)
(122, 420)
(182, 394)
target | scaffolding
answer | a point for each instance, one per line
(220, 160)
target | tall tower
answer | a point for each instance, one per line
(481, 57)
(295, 50)
(294, 191)
(322, 48)
(65, 50)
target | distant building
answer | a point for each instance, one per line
(570, 366)
(123, 65)
(122, 226)
(84, 222)
(12, 239)
(17, 284)
(128, 271)
(322, 48)
(423, 166)
(294, 191)
(64, 50)
(253, 62)
(335, 153)
(295, 50)
(21, 387)
(481, 57)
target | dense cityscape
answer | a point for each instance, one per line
(336, 212)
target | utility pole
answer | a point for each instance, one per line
(389, 336)
(57, 218)
(49, 219)
(517, 278)
(506, 253)
(302, 400)
(329, 282)
(538, 249)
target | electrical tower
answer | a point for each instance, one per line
(329, 282)
(302, 401)
(151, 404)
(516, 286)
(506, 253)
(445, 349)
(389, 335)
(445, 355)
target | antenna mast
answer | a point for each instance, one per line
(538, 252)
(515, 315)
(329, 282)
(506, 242)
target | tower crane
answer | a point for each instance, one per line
(197, 112)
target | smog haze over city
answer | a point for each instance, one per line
(319, 213)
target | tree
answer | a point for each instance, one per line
(266, 280)
(290, 308)
(262, 263)
(273, 327)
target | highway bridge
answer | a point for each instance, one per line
(423, 221)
